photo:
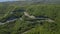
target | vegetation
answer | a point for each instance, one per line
(30, 27)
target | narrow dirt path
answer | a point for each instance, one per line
(33, 17)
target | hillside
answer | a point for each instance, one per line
(28, 2)
(30, 19)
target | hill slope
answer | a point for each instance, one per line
(26, 26)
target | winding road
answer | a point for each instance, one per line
(32, 17)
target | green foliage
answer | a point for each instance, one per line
(31, 27)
